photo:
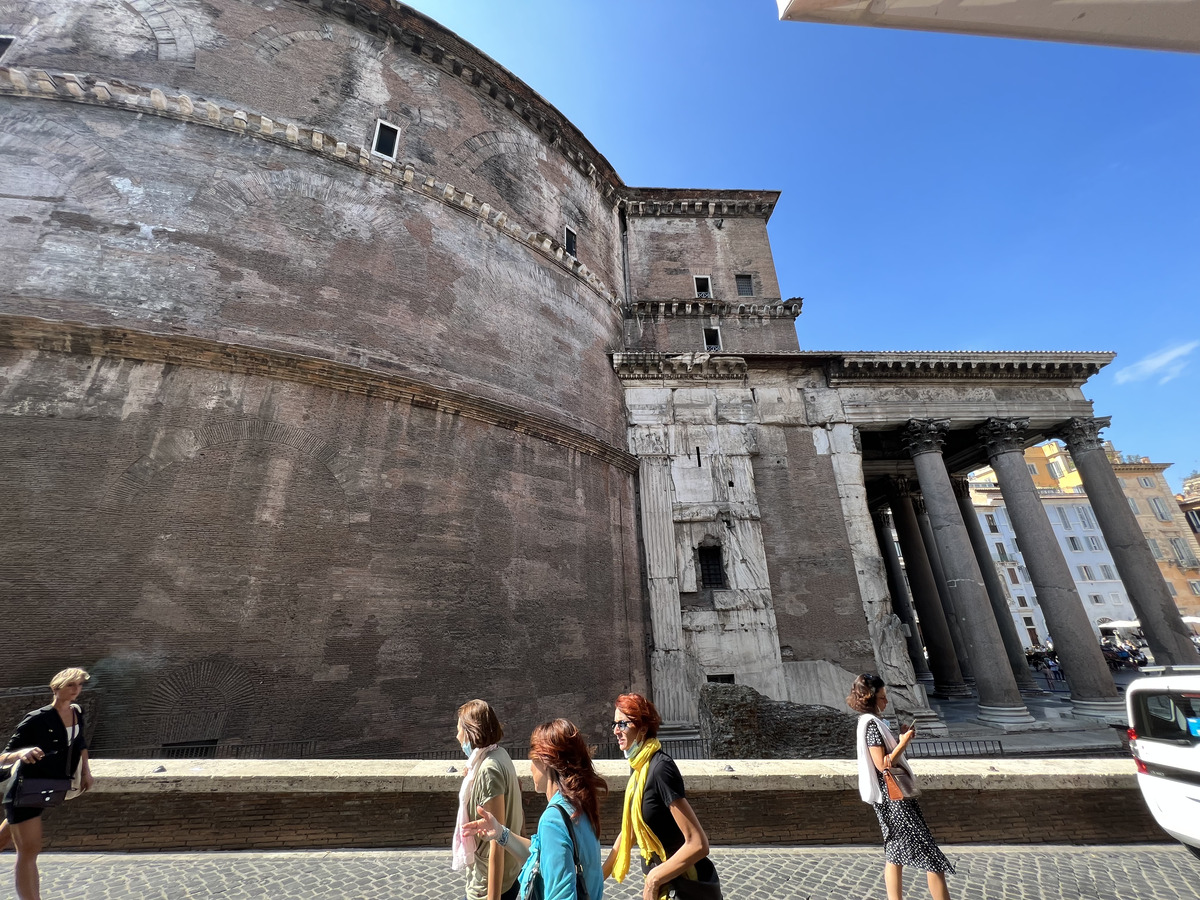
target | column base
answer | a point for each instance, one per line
(927, 723)
(1111, 712)
(957, 691)
(925, 678)
(1009, 718)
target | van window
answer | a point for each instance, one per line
(1167, 716)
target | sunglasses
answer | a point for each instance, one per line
(622, 726)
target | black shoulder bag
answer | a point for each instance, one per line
(581, 891)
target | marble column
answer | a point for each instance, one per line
(1156, 610)
(999, 698)
(943, 589)
(943, 661)
(668, 659)
(1014, 648)
(901, 603)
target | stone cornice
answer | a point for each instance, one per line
(696, 307)
(694, 202)
(640, 366)
(31, 333)
(1071, 367)
(1134, 467)
(87, 89)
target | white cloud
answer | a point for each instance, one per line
(1163, 365)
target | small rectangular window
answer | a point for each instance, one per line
(1013, 576)
(1062, 515)
(703, 286)
(1146, 481)
(1055, 469)
(1161, 512)
(1001, 552)
(1032, 468)
(1096, 598)
(1195, 586)
(712, 339)
(1021, 601)
(1094, 542)
(5, 43)
(1107, 573)
(569, 242)
(1171, 589)
(719, 679)
(1085, 517)
(991, 523)
(1086, 573)
(712, 569)
(1075, 544)
(387, 139)
(1133, 505)
(1154, 548)
(1028, 620)
(745, 285)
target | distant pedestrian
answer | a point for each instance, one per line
(658, 822)
(490, 782)
(48, 744)
(567, 831)
(906, 837)
(1056, 669)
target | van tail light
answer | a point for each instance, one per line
(1141, 766)
(1132, 732)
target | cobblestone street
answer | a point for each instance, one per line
(1141, 872)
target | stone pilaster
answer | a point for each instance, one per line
(1013, 647)
(943, 661)
(668, 659)
(999, 698)
(1156, 611)
(901, 601)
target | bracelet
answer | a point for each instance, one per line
(503, 839)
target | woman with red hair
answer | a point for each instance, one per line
(566, 835)
(657, 817)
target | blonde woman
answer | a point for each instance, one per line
(49, 743)
(490, 782)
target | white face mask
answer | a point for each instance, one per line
(632, 749)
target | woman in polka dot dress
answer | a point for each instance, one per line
(906, 837)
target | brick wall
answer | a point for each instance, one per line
(132, 822)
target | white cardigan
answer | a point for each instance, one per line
(868, 783)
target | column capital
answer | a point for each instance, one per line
(1002, 436)
(918, 503)
(962, 487)
(883, 517)
(924, 435)
(1083, 433)
(900, 486)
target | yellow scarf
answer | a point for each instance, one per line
(633, 826)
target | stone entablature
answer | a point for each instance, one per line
(678, 365)
(690, 202)
(1072, 367)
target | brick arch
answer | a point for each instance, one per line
(171, 33)
(211, 683)
(171, 446)
(272, 40)
(476, 151)
(83, 167)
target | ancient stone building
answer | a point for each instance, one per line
(342, 379)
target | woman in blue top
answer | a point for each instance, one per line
(563, 771)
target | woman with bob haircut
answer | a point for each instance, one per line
(906, 837)
(568, 829)
(490, 782)
(657, 817)
(49, 743)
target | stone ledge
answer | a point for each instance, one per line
(117, 776)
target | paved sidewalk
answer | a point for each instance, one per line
(1139, 872)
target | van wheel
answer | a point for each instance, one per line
(1195, 851)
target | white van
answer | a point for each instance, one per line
(1164, 735)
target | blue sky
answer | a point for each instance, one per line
(940, 192)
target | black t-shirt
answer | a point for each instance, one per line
(664, 785)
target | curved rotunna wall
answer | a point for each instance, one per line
(197, 246)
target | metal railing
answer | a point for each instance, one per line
(946, 749)
(209, 750)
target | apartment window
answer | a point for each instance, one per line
(991, 523)
(1193, 518)
(1146, 481)
(1086, 573)
(1133, 505)
(1028, 620)
(712, 569)
(1195, 586)
(1075, 544)
(745, 285)
(1062, 517)
(1154, 548)
(1021, 601)
(1094, 543)
(1055, 469)
(1013, 576)
(1069, 463)
(1171, 589)
(703, 286)
(1032, 468)
(1002, 553)
(387, 139)
(570, 242)
(1160, 509)
(1183, 552)
(1106, 572)
(1024, 572)
(712, 338)
(1095, 598)
(5, 43)
(1085, 517)
(1115, 598)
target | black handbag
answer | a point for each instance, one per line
(683, 888)
(43, 793)
(581, 891)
